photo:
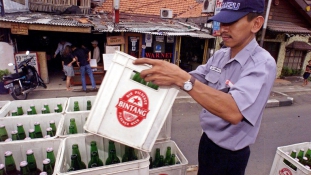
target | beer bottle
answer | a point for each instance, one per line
(38, 131)
(73, 127)
(47, 167)
(10, 166)
(14, 113)
(157, 158)
(32, 163)
(111, 146)
(150, 163)
(2, 171)
(88, 105)
(75, 150)
(161, 161)
(14, 135)
(126, 155)
(293, 154)
(53, 126)
(47, 108)
(74, 164)
(20, 110)
(173, 159)
(76, 106)
(112, 158)
(21, 131)
(49, 132)
(29, 112)
(24, 169)
(33, 109)
(95, 161)
(94, 149)
(304, 160)
(300, 154)
(43, 110)
(60, 108)
(168, 155)
(50, 155)
(308, 153)
(3, 133)
(132, 154)
(32, 133)
(56, 110)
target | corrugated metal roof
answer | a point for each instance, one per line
(286, 27)
(299, 45)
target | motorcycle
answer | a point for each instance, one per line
(21, 83)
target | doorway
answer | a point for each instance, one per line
(133, 42)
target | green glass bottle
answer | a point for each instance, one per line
(300, 154)
(53, 126)
(47, 108)
(112, 158)
(2, 171)
(95, 149)
(168, 155)
(14, 113)
(111, 146)
(38, 131)
(49, 132)
(21, 131)
(161, 161)
(157, 158)
(74, 164)
(20, 110)
(43, 110)
(50, 155)
(73, 127)
(75, 150)
(32, 133)
(88, 105)
(56, 110)
(293, 154)
(173, 159)
(10, 166)
(150, 163)
(14, 135)
(29, 111)
(76, 106)
(126, 155)
(95, 161)
(33, 109)
(24, 169)
(47, 166)
(32, 163)
(60, 107)
(304, 160)
(308, 153)
(3, 133)
(132, 154)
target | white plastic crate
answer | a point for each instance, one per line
(52, 102)
(38, 147)
(279, 167)
(3, 105)
(137, 167)
(28, 123)
(79, 119)
(177, 169)
(82, 103)
(139, 125)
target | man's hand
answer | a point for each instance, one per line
(54, 55)
(162, 72)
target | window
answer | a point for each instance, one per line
(294, 60)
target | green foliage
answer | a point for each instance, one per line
(3, 73)
(286, 71)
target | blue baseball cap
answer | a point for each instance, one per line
(233, 10)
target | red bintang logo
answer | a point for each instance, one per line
(132, 108)
(285, 171)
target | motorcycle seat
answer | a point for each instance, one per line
(13, 76)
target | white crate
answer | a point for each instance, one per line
(38, 147)
(3, 105)
(28, 123)
(79, 119)
(118, 88)
(52, 102)
(279, 167)
(177, 169)
(137, 167)
(82, 103)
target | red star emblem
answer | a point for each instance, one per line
(136, 100)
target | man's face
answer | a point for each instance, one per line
(236, 34)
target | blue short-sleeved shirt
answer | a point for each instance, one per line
(252, 72)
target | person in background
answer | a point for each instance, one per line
(82, 55)
(67, 60)
(306, 74)
(59, 51)
(96, 51)
(232, 87)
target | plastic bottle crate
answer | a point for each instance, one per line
(3, 105)
(28, 123)
(82, 103)
(38, 147)
(279, 167)
(177, 169)
(137, 167)
(79, 119)
(52, 102)
(134, 110)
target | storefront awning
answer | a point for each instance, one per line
(299, 45)
(287, 27)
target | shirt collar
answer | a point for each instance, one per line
(245, 53)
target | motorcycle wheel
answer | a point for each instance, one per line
(16, 90)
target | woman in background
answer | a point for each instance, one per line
(67, 60)
(306, 75)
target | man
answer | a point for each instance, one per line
(96, 51)
(59, 51)
(82, 54)
(231, 116)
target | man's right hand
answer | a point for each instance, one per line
(54, 55)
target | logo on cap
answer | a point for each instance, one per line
(231, 5)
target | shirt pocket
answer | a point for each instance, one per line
(212, 77)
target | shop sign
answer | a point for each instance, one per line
(19, 29)
(115, 40)
(34, 62)
(159, 55)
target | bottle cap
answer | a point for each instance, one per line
(49, 129)
(46, 161)
(45, 104)
(32, 105)
(2, 126)
(47, 136)
(37, 123)
(27, 138)
(19, 106)
(43, 173)
(14, 132)
(8, 140)
(296, 159)
(1, 166)
(294, 150)
(23, 163)
(305, 158)
(31, 130)
(49, 149)
(29, 110)
(305, 166)
(43, 109)
(19, 124)
(30, 151)
(52, 121)
(13, 111)
(8, 153)
(56, 108)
